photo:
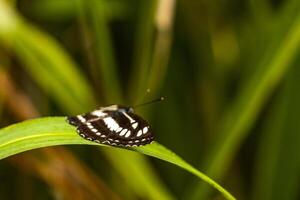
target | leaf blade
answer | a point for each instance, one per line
(51, 131)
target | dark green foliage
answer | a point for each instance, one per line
(228, 70)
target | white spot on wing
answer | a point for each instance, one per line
(111, 123)
(98, 113)
(119, 129)
(134, 125)
(80, 118)
(82, 135)
(139, 133)
(145, 130)
(110, 108)
(128, 134)
(123, 132)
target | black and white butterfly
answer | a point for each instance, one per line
(114, 125)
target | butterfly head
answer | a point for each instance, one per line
(125, 109)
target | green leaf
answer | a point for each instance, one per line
(53, 131)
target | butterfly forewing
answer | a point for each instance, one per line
(113, 125)
(81, 119)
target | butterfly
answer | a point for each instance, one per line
(113, 125)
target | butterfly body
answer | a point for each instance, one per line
(114, 125)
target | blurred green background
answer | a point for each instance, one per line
(229, 71)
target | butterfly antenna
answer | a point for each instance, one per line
(150, 102)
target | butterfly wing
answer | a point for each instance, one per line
(114, 128)
(88, 117)
(129, 129)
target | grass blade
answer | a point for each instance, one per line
(52, 131)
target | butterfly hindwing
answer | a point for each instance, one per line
(132, 129)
